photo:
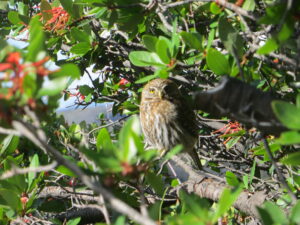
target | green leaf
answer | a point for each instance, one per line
(146, 79)
(45, 6)
(249, 5)
(265, 216)
(104, 141)
(129, 141)
(231, 179)
(13, 17)
(295, 213)
(298, 101)
(11, 198)
(66, 171)
(9, 145)
(270, 46)
(68, 6)
(194, 40)
(217, 62)
(85, 90)
(53, 87)
(289, 138)
(210, 38)
(81, 48)
(74, 221)
(113, 17)
(156, 181)
(286, 31)
(215, 8)
(36, 40)
(30, 84)
(195, 205)
(34, 163)
(292, 159)
(106, 161)
(150, 42)
(246, 181)
(288, 114)
(273, 14)
(227, 199)
(276, 213)
(163, 51)
(232, 142)
(231, 39)
(144, 58)
(175, 43)
(173, 151)
(68, 70)
(79, 35)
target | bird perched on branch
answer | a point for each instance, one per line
(166, 118)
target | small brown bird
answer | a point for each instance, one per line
(166, 118)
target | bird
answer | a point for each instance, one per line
(166, 119)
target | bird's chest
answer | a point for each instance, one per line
(161, 124)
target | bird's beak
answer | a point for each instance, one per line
(160, 94)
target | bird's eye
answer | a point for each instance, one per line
(151, 90)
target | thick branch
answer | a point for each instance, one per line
(202, 184)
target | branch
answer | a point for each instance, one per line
(9, 131)
(224, 3)
(37, 136)
(15, 170)
(203, 185)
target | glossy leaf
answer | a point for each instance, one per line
(9, 145)
(81, 48)
(53, 87)
(227, 199)
(150, 42)
(289, 138)
(156, 181)
(143, 58)
(270, 46)
(194, 40)
(37, 39)
(104, 141)
(276, 213)
(68, 69)
(163, 51)
(11, 199)
(13, 17)
(74, 221)
(45, 7)
(217, 62)
(79, 35)
(215, 8)
(230, 37)
(249, 5)
(287, 113)
(295, 213)
(231, 178)
(146, 79)
(292, 159)
(85, 90)
(34, 163)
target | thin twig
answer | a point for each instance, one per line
(15, 170)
